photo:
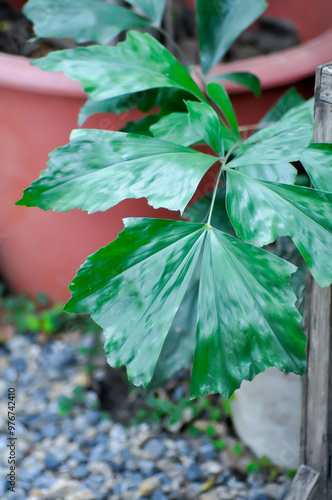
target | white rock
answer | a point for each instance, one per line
(149, 486)
(68, 489)
(267, 416)
(211, 467)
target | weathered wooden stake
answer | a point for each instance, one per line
(305, 484)
(316, 446)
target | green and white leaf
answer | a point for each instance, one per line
(141, 127)
(246, 317)
(299, 115)
(317, 160)
(154, 9)
(261, 211)
(220, 97)
(178, 349)
(135, 287)
(140, 63)
(117, 105)
(204, 120)
(177, 129)
(283, 172)
(290, 99)
(242, 78)
(98, 169)
(220, 22)
(167, 99)
(82, 20)
(270, 159)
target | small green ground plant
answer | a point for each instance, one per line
(38, 315)
(172, 294)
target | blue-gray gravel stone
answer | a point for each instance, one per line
(147, 467)
(185, 448)
(284, 489)
(158, 495)
(155, 448)
(234, 483)
(102, 439)
(102, 496)
(29, 474)
(224, 477)
(25, 485)
(93, 417)
(207, 451)
(51, 461)
(104, 426)
(10, 374)
(79, 456)
(193, 472)
(131, 464)
(81, 423)
(44, 482)
(117, 489)
(50, 431)
(95, 483)
(257, 494)
(100, 453)
(80, 472)
(19, 364)
(53, 454)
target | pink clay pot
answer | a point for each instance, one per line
(310, 18)
(41, 251)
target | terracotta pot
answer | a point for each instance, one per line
(310, 18)
(41, 251)
(296, 66)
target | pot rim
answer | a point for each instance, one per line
(274, 70)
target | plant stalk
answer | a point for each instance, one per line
(222, 168)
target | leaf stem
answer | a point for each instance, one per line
(223, 164)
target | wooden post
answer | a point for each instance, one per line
(305, 485)
(316, 446)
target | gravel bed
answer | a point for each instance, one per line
(84, 456)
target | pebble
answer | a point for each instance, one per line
(104, 426)
(50, 431)
(194, 472)
(185, 448)
(44, 482)
(51, 461)
(207, 452)
(82, 455)
(158, 495)
(68, 489)
(99, 453)
(90, 434)
(147, 467)
(258, 494)
(93, 417)
(101, 469)
(149, 486)
(78, 455)
(19, 364)
(155, 448)
(80, 472)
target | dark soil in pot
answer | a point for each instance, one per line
(268, 35)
